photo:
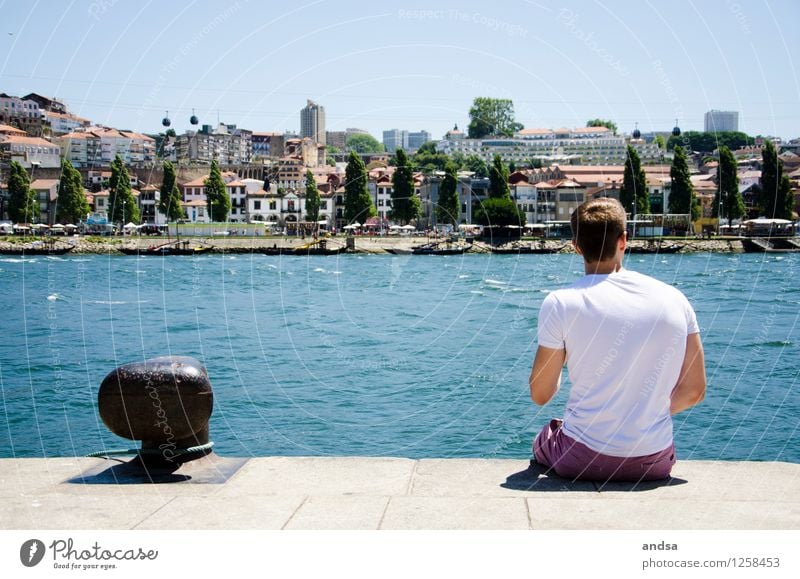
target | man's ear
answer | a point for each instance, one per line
(622, 242)
(575, 245)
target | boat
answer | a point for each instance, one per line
(169, 248)
(770, 245)
(316, 247)
(519, 248)
(653, 247)
(438, 249)
(398, 250)
(45, 249)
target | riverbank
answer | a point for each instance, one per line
(391, 493)
(363, 244)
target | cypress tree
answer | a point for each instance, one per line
(448, 205)
(681, 197)
(312, 199)
(219, 203)
(771, 173)
(405, 203)
(357, 201)
(122, 204)
(72, 203)
(169, 202)
(23, 207)
(728, 196)
(634, 185)
(498, 180)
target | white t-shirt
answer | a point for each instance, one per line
(625, 338)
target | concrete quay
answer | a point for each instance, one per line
(325, 493)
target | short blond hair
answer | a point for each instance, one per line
(597, 224)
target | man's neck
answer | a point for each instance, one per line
(602, 267)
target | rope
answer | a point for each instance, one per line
(180, 452)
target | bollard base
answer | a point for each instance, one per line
(209, 469)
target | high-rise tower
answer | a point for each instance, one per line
(312, 122)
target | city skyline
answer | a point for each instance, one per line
(244, 65)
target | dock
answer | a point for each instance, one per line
(332, 493)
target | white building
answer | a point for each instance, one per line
(585, 145)
(98, 146)
(29, 151)
(715, 121)
(395, 139)
(62, 123)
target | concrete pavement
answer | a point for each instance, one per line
(389, 493)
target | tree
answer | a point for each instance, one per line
(477, 165)
(634, 185)
(498, 212)
(72, 203)
(498, 179)
(427, 159)
(610, 125)
(709, 142)
(448, 205)
(121, 202)
(23, 207)
(312, 198)
(659, 140)
(728, 203)
(361, 143)
(787, 195)
(491, 116)
(357, 200)
(219, 202)
(170, 199)
(405, 203)
(681, 197)
(775, 199)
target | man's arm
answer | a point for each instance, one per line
(546, 374)
(691, 386)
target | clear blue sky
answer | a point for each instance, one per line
(414, 65)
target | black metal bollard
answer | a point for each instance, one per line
(164, 402)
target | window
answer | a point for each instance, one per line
(273, 205)
(256, 205)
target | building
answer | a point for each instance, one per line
(47, 104)
(265, 145)
(149, 196)
(417, 138)
(719, 121)
(471, 191)
(336, 139)
(46, 191)
(395, 139)
(583, 145)
(62, 123)
(22, 113)
(225, 144)
(312, 122)
(98, 146)
(28, 151)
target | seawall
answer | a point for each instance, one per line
(389, 493)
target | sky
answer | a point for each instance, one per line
(408, 65)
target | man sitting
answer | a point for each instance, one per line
(633, 354)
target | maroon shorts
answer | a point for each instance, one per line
(574, 460)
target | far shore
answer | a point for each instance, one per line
(364, 244)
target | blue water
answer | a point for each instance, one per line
(372, 355)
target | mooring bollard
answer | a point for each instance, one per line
(164, 402)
